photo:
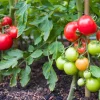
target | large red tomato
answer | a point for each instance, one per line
(98, 35)
(6, 41)
(70, 31)
(6, 21)
(86, 25)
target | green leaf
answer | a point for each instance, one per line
(55, 48)
(21, 16)
(50, 75)
(38, 40)
(15, 54)
(24, 77)
(7, 64)
(36, 54)
(46, 28)
(95, 70)
(39, 20)
(30, 48)
(13, 80)
(30, 60)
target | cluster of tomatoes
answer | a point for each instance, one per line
(75, 59)
(8, 33)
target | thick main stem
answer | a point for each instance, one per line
(86, 7)
(72, 88)
(11, 9)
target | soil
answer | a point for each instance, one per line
(37, 88)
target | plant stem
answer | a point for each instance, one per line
(86, 7)
(72, 88)
(11, 9)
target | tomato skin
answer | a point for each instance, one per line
(94, 47)
(70, 68)
(86, 25)
(81, 82)
(82, 63)
(6, 21)
(87, 74)
(70, 31)
(98, 35)
(12, 31)
(60, 63)
(6, 42)
(71, 54)
(93, 84)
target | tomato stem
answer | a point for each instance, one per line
(72, 88)
(86, 7)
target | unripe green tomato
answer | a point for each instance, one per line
(81, 82)
(93, 84)
(60, 63)
(70, 68)
(87, 74)
(71, 54)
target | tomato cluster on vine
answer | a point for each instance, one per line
(8, 33)
(76, 58)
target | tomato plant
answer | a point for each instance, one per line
(87, 25)
(82, 64)
(70, 31)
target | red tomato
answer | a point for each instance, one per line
(6, 41)
(12, 31)
(81, 47)
(98, 35)
(6, 21)
(86, 25)
(70, 31)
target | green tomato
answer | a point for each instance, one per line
(94, 47)
(87, 74)
(71, 54)
(93, 84)
(81, 82)
(70, 68)
(60, 63)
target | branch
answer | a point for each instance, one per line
(72, 88)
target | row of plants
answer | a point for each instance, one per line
(30, 30)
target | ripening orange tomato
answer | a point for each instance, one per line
(82, 63)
